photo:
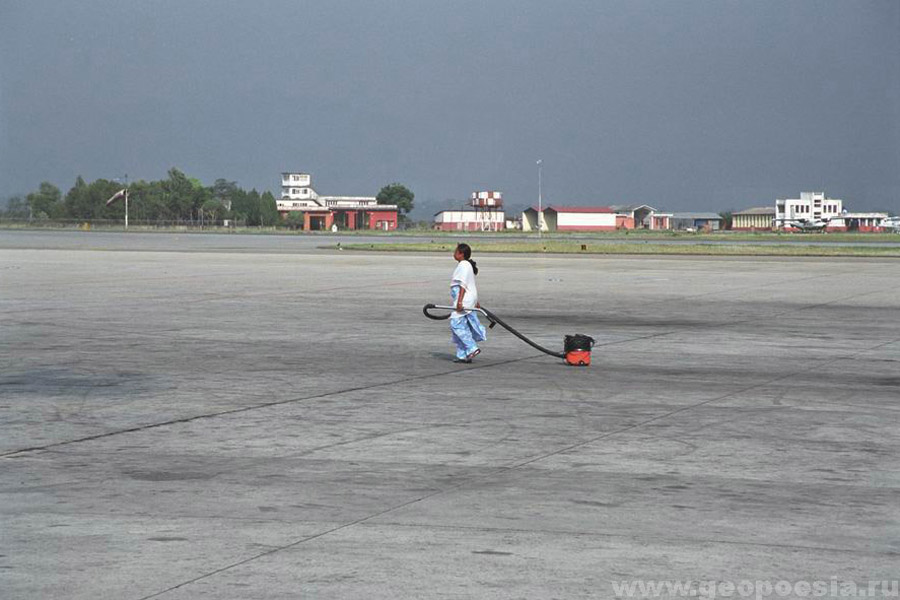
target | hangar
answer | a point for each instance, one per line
(686, 221)
(572, 218)
(753, 219)
(636, 216)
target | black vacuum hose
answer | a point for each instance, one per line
(494, 319)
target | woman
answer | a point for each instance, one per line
(466, 328)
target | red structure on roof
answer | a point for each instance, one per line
(581, 209)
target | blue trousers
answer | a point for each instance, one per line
(466, 331)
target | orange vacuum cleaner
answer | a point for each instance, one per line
(576, 348)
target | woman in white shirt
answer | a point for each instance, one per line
(464, 324)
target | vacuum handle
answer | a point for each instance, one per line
(491, 319)
(453, 308)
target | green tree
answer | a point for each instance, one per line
(88, 200)
(176, 198)
(213, 210)
(46, 202)
(245, 206)
(76, 198)
(253, 206)
(224, 190)
(16, 208)
(147, 201)
(294, 220)
(727, 218)
(268, 210)
(181, 196)
(399, 194)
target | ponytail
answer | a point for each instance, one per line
(467, 253)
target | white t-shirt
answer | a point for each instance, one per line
(464, 277)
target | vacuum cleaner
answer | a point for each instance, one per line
(576, 348)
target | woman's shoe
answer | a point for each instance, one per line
(473, 355)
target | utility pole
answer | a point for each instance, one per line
(126, 201)
(540, 215)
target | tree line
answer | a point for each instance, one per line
(177, 198)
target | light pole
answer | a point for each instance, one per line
(126, 201)
(540, 215)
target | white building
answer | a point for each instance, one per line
(470, 220)
(327, 212)
(863, 222)
(810, 205)
(297, 193)
(573, 218)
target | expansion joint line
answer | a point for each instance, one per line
(461, 484)
(493, 472)
(389, 509)
(13, 453)
(691, 407)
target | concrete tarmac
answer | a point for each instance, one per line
(279, 422)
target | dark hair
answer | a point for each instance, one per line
(467, 252)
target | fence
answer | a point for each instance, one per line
(136, 224)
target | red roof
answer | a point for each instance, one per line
(581, 209)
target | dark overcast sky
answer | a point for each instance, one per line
(689, 105)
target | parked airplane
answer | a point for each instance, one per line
(806, 225)
(891, 224)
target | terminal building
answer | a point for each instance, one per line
(809, 206)
(331, 213)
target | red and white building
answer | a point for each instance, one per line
(469, 220)
(634, 216)
(331, 213)
(872, 222)
(486, 214)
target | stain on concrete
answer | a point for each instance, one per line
(168, 475)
